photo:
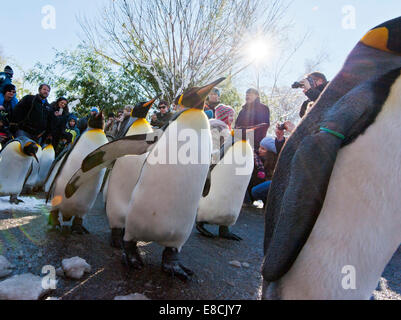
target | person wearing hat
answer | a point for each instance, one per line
(221, 129)
(8, 102)
(163, 116)
(5, 82)
(83, 122)
(213, 100)
(254, 113)
(268, 154)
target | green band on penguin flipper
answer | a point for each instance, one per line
(334, 133)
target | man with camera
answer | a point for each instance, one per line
(313, 85)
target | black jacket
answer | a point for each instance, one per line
(34, 115)
(312, 94)
(252, 115)
(162, 119)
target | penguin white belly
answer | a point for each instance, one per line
(52, 175)
(81, 202)
(46, 161)
(229, 181)
(34, 176)
(14, 167)
(360, 222)
(165, 200)
(123, 179)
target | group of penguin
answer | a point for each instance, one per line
(145, 200)
(334, 201)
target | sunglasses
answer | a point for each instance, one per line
(163, 107)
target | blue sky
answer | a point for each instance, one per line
(25, 41)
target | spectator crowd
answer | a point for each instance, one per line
(44, 122)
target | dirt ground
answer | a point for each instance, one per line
(25, 242)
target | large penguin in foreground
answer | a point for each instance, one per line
(125, 174)
(164, 201)
(78, 205)
(225, 190)
(334, 203)
(15, 165)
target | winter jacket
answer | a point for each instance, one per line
(212, 106)
(312, 94)
(34, 115)
(162, 119)
(252, 115)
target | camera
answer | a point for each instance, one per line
(297, 85)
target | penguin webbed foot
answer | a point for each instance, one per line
(15, 200)
(171, 265)
(77, 227)
(224, 232)
(117, 238)
(131, 255)
(202, 230)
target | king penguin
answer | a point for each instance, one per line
(45, 163)
(78, 205)
(33, 178)
(225, 190)
(125, 174)
(15, 165)
(165, 199)
(332, 219)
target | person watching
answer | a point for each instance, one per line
(34, 116)
(254, 113)
(212, 101)
(8, 103)
(163, 116)
(313, 84)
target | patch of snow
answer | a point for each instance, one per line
(75, 267)
(29, 204)
(5, 267)
(22, 287)
(133, 296)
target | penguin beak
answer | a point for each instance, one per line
(205, 90)
(151, 102)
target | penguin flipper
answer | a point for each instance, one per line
(289, 223)
(104, 157)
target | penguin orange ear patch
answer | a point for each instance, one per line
(377, 38)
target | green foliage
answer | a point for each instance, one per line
(87, 79)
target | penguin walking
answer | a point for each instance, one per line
(15, 165)
(78, 205)
(223, 195)
(165, 199)
(332, 215)
(125, 174)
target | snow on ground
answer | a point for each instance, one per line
(30, 203)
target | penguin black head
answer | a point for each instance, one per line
(385, 37)
(96, 121)
(141, 109)
(30, 149)
(195, 97)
